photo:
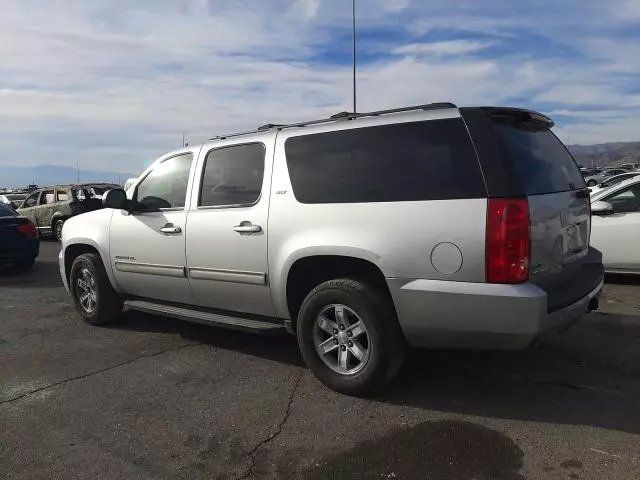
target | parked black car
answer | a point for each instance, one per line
(19, 243)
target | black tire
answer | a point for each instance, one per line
(56, 229)
(385, 339)
(25, 264)
(591, 183)
(108, 305)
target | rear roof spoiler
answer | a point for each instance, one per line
(519, 114)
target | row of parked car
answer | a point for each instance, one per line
(26, 216)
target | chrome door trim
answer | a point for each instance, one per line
(150, 268)
(233, 276)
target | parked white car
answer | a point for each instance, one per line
(615, 226)
(611, 181)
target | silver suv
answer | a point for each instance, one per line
(431, 226)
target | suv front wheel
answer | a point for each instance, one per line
(95, 299)
(349, 336)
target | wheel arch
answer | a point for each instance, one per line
(307, 271)
(80, 247)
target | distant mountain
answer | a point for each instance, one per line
(42, 175)
(606, 154)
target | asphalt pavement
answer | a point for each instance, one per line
(155, 398)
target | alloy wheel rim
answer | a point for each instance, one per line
(341, 339)
(86, 291)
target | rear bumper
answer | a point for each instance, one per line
(441, 314)
(24, 249)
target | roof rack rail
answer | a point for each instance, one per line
(341, 116)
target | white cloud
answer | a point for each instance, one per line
(396, 5)
(308, 9)
(451, 47)
(116, 82)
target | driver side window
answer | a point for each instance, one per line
(31, 201)
(166, 185)
(626, 201)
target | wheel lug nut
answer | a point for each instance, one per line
(350, 333)
(335, 341)
(335, 331)
(350, 344)
(341, 327)
(343, 347)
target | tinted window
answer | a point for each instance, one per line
(430, 160)
(543, 163)
(32, 201)
(626, 200)
(7, 211)
(233, 175)
(166, 184)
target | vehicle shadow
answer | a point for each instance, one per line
(43, 274)
(566, 380)
(278, 346)
(618, 279)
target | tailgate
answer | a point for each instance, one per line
(561, 263)
(521, 157)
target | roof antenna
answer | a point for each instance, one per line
(353, 16)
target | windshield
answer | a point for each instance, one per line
(543, 163)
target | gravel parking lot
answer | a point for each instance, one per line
(154, 398)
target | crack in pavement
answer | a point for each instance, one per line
(96, 372)
(254, 451)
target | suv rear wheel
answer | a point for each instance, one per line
(95, 299)
(349, 336)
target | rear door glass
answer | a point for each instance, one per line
(543, 163)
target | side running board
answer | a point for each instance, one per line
(199, 316)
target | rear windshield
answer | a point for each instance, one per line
(543, 163)
(429, 160)
(7, 211)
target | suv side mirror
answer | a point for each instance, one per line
(116, 198)
(601, 208)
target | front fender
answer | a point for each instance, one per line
(90, 229)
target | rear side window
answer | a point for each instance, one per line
(543, 163)
(430, 160)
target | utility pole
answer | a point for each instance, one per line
(78, 170)
(183, 139)
(353, 17)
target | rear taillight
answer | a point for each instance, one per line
(508, 240)
(27, 229)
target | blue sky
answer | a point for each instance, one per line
(114, 83)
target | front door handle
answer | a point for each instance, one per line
(170, 228)
(247, 227)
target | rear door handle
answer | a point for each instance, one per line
(247, 227)
(170, 228)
